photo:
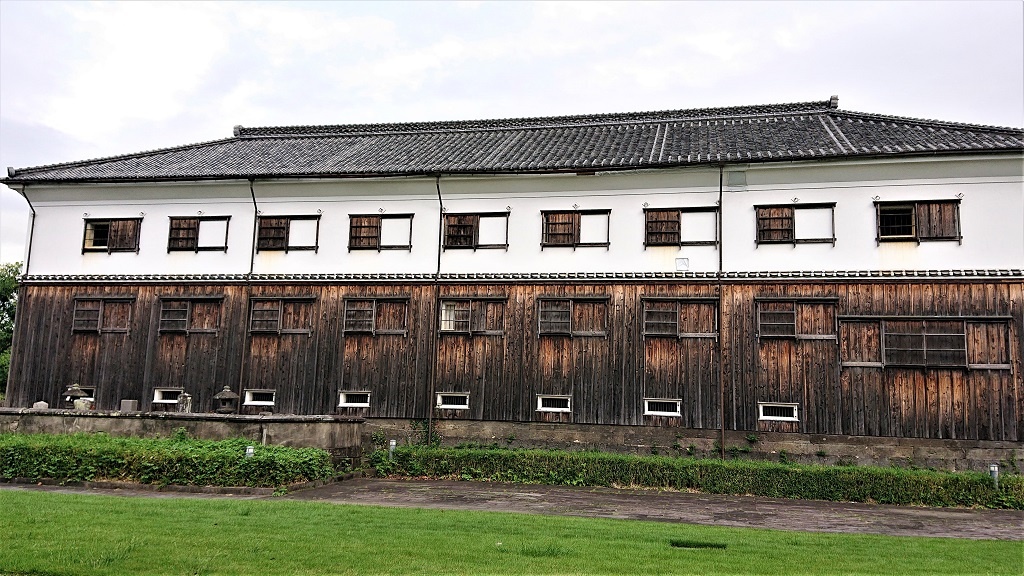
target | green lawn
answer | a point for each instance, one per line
(49, 534)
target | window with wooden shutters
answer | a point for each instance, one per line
(679, 318)
(286, 315)
(198, 234)
(474, 316)
(810, 318)
(380, 232)
(111, 235)
(697, 226)
(572, 316)
(476, 231)
(776, 319)
(974, 342)
(377, 316)
(102, 315)
(662, 227)
(919, 221)
(575, 228)
(931, 343)
(774, 224)
(796, 223)
(190, 315)
(288, 233)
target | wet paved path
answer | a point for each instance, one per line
(663, 506)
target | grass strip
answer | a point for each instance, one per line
(811, 482)
(175, 460)
(86, 535)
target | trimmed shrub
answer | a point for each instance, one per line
(177, 460)
(811, 482)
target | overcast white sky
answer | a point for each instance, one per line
(83, 80)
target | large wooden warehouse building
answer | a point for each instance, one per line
(790, 268)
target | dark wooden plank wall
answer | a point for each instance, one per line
(607, 376)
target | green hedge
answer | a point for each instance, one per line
(837, 483)
(177, 460)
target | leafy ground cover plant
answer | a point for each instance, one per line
(176, 460)
(813, 482)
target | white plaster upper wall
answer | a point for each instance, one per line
(991, 216)
(992, 212)
(60, 222)
(335, 201)
(623, 194)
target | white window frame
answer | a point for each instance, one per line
(441, 395)
(343, 401)
(542, 408)
(677, 401)
(158, 397)
(249, 397)
(793, 405)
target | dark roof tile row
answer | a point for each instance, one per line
(810, 130)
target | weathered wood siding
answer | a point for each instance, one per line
(830, 366)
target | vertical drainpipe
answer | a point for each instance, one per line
(31, 228)
(248, 295)
(432, 369)
(721, 301)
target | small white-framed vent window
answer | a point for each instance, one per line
(777, 411)
(166, 395)
(259, 397)
(354, 400)
(547, 403)
(453, 400)
(662, 407)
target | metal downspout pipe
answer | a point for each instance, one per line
(432, 387)
(721, 301)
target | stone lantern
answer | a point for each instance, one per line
(73, 398)
(226, 400)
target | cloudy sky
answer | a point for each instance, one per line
(82, 80)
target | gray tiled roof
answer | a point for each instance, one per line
(765, 133)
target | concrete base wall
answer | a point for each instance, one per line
(340, 436)
(776, 446)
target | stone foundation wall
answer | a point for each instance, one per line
(775, 446)
(340, 436)
(352, 437)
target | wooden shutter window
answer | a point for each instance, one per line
(359, 316)
(555, 316)
(86, 316)
(925, 343)
(661, 318)
(561, 228)
(938, 221)
(460, 230)
(183, 235)
(124, 235)
(662, 227)
(174, 315)
(364, 232)
(776, 319)
(265, 316)
(774, 224)
(272, 233)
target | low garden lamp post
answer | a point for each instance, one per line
(226, 400)
(72, 394)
